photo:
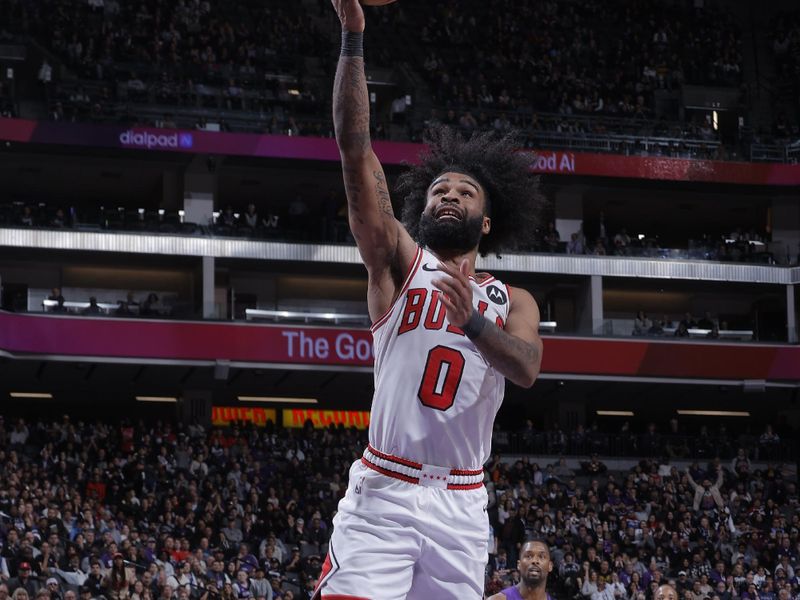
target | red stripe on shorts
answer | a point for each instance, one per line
(389, 473)
(466, 472)
(464, 486)
(396, 459)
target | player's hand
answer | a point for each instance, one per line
(456, 292)
(350, 14)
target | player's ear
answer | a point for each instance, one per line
(487, 225)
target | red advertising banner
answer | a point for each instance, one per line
(663, 168)
(225, 415)
(321, 419)
(150, 139)
(271, 344)
(184, 340)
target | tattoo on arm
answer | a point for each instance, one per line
(351, 122)
(352, 186)
(510, 355)
(351, 105)
(384, 201)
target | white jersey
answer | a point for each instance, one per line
(436, 396)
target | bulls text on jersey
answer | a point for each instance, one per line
(428, 303)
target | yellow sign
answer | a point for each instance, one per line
(296, 417)
(225, 415)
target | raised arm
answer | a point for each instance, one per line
(692, 482)
(369, 206)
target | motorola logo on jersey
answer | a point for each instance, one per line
(496, 295)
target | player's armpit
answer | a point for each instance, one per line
(516, 351)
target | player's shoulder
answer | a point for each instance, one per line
(498, 596)
(523, 301)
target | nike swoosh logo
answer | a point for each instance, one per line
(425, 267)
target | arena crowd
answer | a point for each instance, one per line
(162, 512)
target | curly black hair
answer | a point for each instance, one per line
(513, 199)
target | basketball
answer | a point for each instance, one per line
(376, 2)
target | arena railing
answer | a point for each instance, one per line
(633, 135)
(334, 318)
(788, 153)
(624, 144)
(761, 253)
(624, 444)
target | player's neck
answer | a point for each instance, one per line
(454, 257)
(529, 592)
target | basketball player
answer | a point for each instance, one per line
(534, 566)
(413, 522)
(666, 592)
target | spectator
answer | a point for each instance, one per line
(641, 324)
(594, 466)
(93, 308)
(590, 585)
(259, 585)
(604, 592)
(17, 439)
(228, 217)
(688, 322)
(621, 242)
(551, 238)
(740, 465)
(53, 588)
(128, 307)
(56, 295)
(117, 582)
(26, 218)
(250, 217)
(575, 244)
(599, 248)
(707, 496)
(24, 580)
(150, 307)
(706, 322)
(768, 442)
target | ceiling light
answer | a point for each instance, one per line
(715, 413)
(171, 399)
(615, 413)
(42, 395)
(278, 399)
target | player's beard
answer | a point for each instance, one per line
(448, 234)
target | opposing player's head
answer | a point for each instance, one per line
(534, 563)
(666, 592)
(470, 193)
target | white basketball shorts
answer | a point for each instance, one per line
(395, 539)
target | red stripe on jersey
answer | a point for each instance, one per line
(487, 280)
(464, 486)
(394, 459)
(466, 472)
(412, 270)
(389, 473)
(326, 567)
